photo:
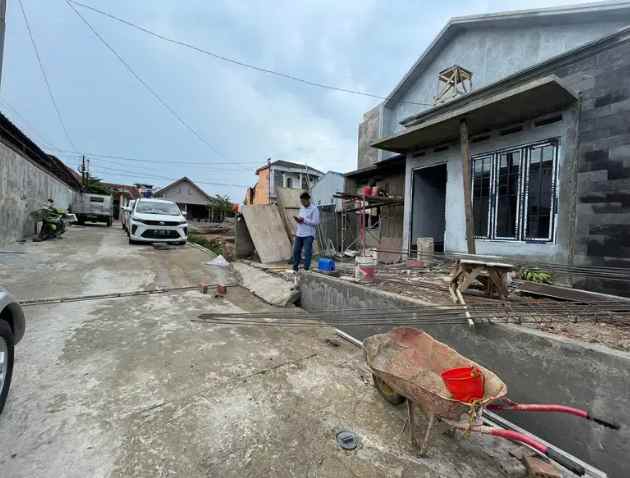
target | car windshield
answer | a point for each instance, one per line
(152, 207)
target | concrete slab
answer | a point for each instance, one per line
(130, 387)
(268, 233)
(272, 289)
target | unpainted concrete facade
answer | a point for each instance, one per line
(536, 366)
(24, 188)
(593, 212)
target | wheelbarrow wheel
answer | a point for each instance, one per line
(387, 392)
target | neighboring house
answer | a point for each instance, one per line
(280, 174)
(548, 112)
(191, 199)
(28, 178)
(322, 193)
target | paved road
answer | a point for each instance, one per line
(130, 387)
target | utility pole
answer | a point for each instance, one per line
(467, 178)
(3, 14)
(83, 171)
(268, 180)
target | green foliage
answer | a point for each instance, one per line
(214, 245)
(95, 186)
(535, 274)
(222, 204)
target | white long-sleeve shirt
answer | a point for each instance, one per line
(310, 215)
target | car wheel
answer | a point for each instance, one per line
(6, 361)
(109, 222)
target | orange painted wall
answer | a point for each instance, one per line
(261, 195)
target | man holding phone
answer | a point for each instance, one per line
(307, 220)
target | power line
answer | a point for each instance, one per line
(28, 125)
(41, 67)
(234, 61)
(127, 158)
(154, 93)
(135, 174)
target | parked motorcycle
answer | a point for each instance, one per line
(53, 222)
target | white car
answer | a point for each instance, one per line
(125, 211)
(157, 220)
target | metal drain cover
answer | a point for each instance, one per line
(347, 440)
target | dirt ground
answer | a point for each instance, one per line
(130, 387)
(430, 285)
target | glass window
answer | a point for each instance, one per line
(482, 169)
(154, 207)
(508, 173)
(513, 192)
(540, 192)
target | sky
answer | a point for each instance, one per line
(240, 117)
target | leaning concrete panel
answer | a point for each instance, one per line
(536, 366)
(267, 231)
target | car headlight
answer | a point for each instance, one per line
(137, 220)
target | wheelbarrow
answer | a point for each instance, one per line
(407, 364)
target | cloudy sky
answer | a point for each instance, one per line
(242, 116)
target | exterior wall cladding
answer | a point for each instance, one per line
(603, 165)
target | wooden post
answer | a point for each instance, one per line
(466, 175)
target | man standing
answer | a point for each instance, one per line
(307, 220)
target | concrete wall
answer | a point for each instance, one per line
(492, 54)
(455, 232)
(24, 187)
(323, 191)
(537, 368)
(369, 131)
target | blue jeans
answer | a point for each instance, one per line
(298, 244)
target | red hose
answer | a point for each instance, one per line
(539, 407)
(515, 436)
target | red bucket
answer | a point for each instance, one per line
(465, 384)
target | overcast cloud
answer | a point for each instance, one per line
(246, 115)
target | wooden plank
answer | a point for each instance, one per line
(268, 233)
(466, 175)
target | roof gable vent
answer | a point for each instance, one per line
(453, 82)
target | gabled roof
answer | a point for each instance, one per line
(288, 164)
(555, 15)
(184, 179)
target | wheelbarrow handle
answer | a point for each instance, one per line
(541, 448)
(541, 407)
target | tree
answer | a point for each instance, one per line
(220, 207)
(95, 185)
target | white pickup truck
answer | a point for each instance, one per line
(93, 207)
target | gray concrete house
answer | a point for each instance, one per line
(322, 193)
(191, 199)
(28, 178)
(548, 113)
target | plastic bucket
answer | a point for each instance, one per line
(365, 268)
(465, 383)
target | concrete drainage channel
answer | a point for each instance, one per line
(538, 368)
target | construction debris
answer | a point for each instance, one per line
(267, 232)
(270, 288)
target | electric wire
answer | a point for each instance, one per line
(146, 85)
(235, 61)
(45, 76)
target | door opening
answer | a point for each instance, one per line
(428, 210)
